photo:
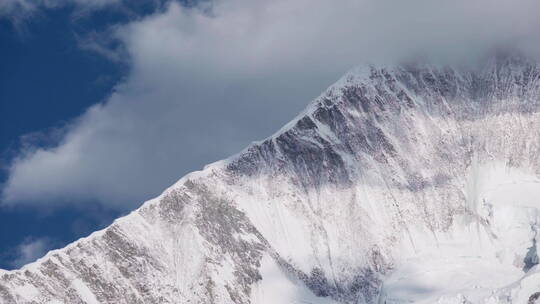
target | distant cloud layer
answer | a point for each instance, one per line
(206, 81)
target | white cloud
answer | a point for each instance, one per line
(30, 250)
(205, 82)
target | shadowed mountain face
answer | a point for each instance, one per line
(397, 185)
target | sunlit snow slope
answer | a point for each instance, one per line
(408, 184)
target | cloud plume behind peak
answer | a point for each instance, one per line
(205, 81)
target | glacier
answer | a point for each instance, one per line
(410, 183)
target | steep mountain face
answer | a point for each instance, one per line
(406, 184)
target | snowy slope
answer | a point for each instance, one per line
(406, 184)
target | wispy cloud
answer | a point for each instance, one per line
(30, 250)
(18, 10)
(206, 81)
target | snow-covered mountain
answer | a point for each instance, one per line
(399, 184)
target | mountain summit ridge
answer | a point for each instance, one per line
(391, 168)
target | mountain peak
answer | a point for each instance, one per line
(388, 186)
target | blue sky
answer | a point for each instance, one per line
(105, 103)
(46, 80)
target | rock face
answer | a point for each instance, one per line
(398, 184)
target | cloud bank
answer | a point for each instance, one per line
(206, 81)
